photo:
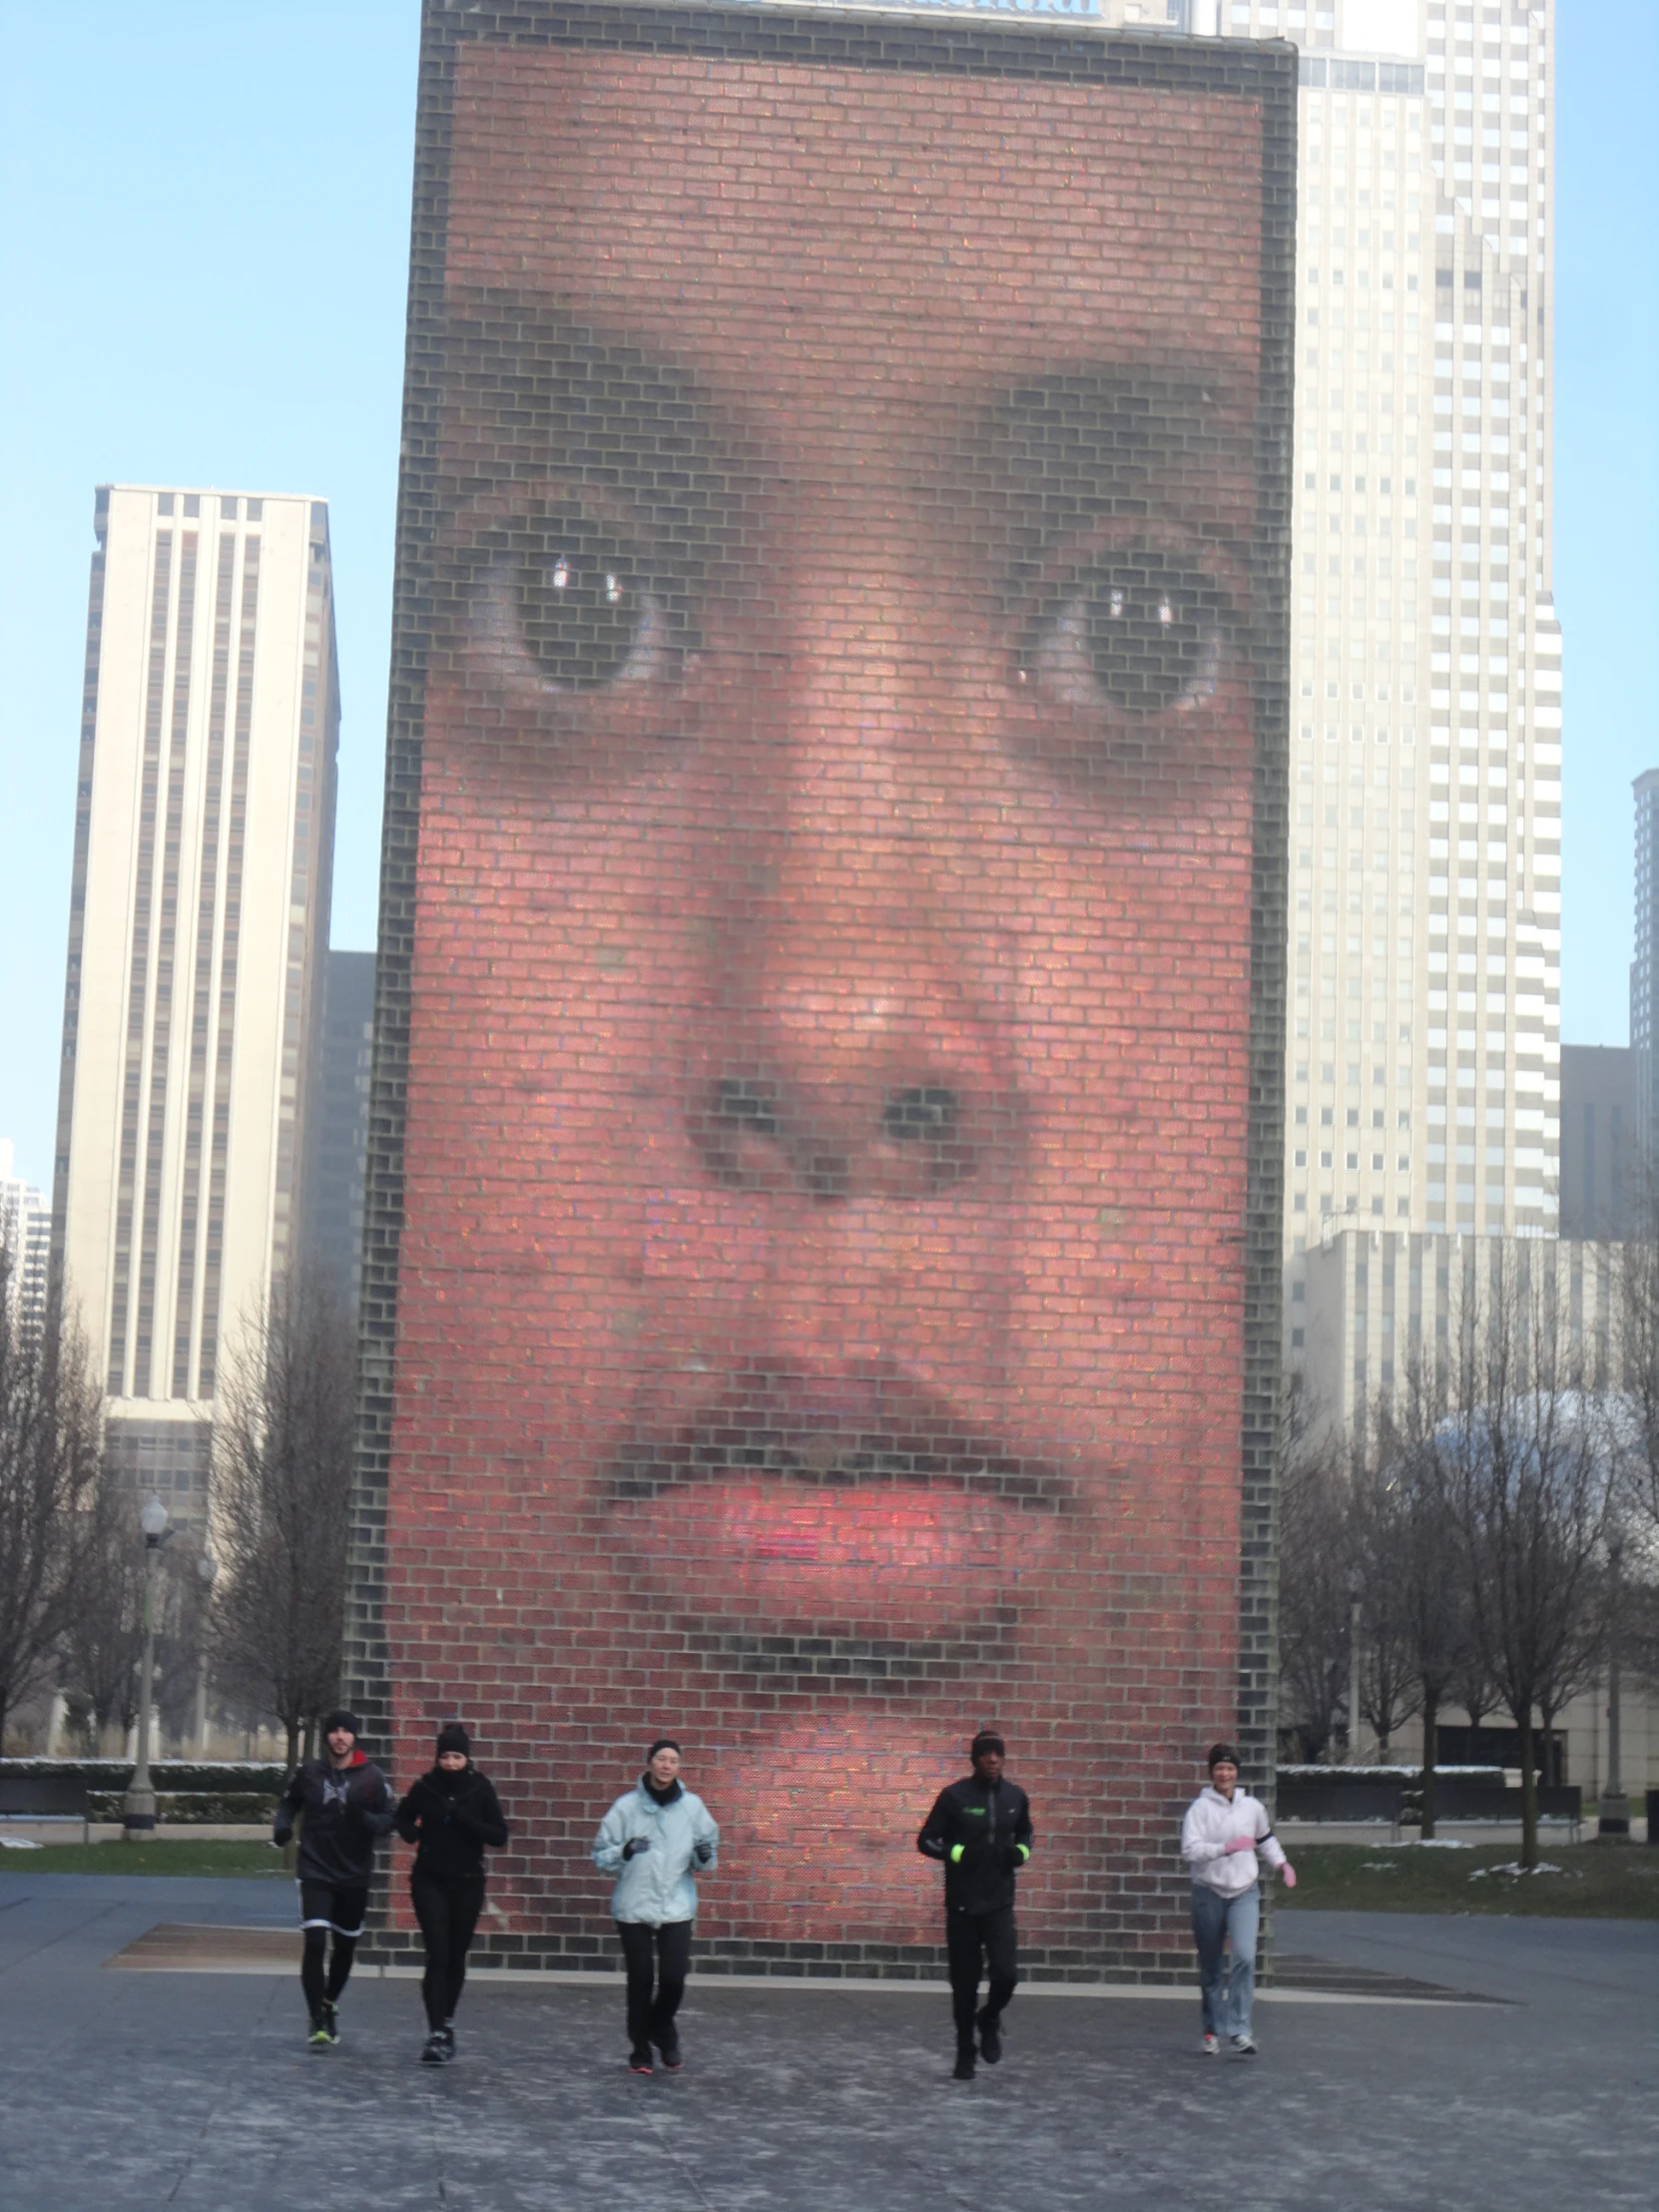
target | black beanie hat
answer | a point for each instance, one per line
(1222, 1755)
(453, 1737)
(662, 1742)
(340, 1718)
(988, 1740)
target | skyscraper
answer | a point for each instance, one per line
(1422, 1085)
(26, 1233)
(340, 1122)
(1644, 970)
(198, 920)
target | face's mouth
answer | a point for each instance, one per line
(852, 1505)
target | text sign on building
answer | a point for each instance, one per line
(828, 1211)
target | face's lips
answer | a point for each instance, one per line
(859, 1431)
(845, 1506)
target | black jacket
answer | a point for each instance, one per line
(982, 1832)
(343, 1811)
(450, 1818)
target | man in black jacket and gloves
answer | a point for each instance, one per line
(345, 1805)
(980, 1828)
(449, 1815)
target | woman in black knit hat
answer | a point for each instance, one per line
(449, 1815)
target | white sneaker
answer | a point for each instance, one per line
(1212, 2046)
(1245, 2045)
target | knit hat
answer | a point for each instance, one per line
(988, 1740)
(1222, 1755)
(453, 1737)
(340, 1718)
(662, 1742)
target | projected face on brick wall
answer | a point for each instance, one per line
(827, 1124)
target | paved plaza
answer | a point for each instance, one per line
(126, 2089)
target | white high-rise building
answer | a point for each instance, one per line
(198, 921)
(26, 1233)
(1423, 1087)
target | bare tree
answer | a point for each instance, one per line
(1522, 1454)
(1315, 1605)
(103, 1639)
(1380, 1546)
(50, 1421)
(282, 1469)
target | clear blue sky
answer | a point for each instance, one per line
(203, 228)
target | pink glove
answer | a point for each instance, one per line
(1287, 1872)
(1239, 1843)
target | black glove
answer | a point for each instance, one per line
(283, 1835)
(635, 1844)
(702, 1853)
(1010, 1857)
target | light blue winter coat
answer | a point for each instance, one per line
(656, 1886)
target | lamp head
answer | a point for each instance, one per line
(153, 1520)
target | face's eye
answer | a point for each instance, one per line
(586, 607)
(1137, 632)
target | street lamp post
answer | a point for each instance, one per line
(138, 1806)
(1615, 1806)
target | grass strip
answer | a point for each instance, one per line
(210, 1858)
(1590, 1880)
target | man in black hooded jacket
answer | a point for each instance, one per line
(344, 1804)
(980, 1828)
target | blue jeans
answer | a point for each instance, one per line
(1226, 1999)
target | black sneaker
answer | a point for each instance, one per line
(447, 2031)
(434, 2052)
(990, 2037)
(639, 2062)
(330, 2020)
(674, 2060)
(964, 2067)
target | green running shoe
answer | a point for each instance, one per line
(321, 2035)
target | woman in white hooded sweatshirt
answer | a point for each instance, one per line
(1222, 1832)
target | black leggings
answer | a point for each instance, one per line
(448, 1907)
(968, 1936)
(325, 1911)
(661, 1955)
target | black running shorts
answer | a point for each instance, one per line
(324, 1906)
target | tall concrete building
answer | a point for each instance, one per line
(26, 1231)
(339, 1121)
(1644, 968)
(198, 920)
(1600, 1187)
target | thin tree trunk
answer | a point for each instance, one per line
(1431, 1731)
(1529, 1794)
(293, 1745)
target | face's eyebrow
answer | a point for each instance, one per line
(534, 395)
(1071, 448)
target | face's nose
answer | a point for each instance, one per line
(858, 1042)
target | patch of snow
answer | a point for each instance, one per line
(17, 1842)
(1514, 1867)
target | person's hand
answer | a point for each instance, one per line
(702, 1853)
(1241, 1842)
(1289, 1872)
(281, 1836)
(635, 1845)
(1010, 1857)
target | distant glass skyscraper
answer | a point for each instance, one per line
(339, 1121)
(198, 921)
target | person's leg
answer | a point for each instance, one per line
(466, 1901)
(1002, 1941)
(1244, 1919)
(315, 1906)
(431, 1904)
(637, 1953)
(347, 1925)
(672, 1965)
(1209, 1934)
(962, 1951)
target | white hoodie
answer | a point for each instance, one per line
(1212, 1823)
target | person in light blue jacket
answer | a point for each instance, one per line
(656, 1839)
